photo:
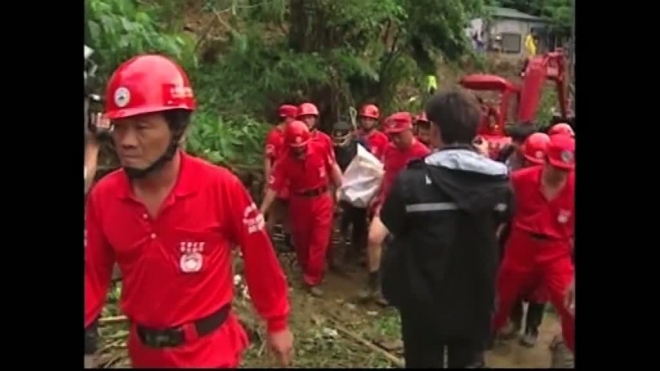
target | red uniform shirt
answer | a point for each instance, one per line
(536, 214)
(274, 143)
(274, 149)
(323, 138)
(395, 160)
(306, 174)
(207, 212)
(377, 141)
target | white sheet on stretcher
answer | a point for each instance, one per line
(361, 178)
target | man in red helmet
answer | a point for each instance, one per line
(534, 152)
(539, 247)
(368, 117)
(422, 129)
(274, 146)
(561, 129)
(403, 148)
(309, 114)
(170, 221)
(308, 167)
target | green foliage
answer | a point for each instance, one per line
(119, 30)
(262, 53)
(226, 142)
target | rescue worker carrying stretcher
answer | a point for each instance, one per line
(422, 129)
(274, 146)
(171, 221)
(308, 167)
(368, 117)
(534, 152)
(443, 212)
(402, 149)
(539, 247)
(346, 148)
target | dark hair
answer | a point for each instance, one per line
(342, 125)
(521, 131)
(457, 114)
(177, 120)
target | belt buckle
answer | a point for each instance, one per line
(160, 340)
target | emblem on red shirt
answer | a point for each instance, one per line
(253, 219)
(563, 216)
(567, 156)
(538, 154)
(191, 257)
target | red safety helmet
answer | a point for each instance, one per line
(370, 111)
(307, 109)
(287, 111)
(296, 134)
(421, 118)
(147, 84)
(561, 129)
(561, 152)
(398, 122)
(534, 148)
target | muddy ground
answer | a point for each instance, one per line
(336, 330)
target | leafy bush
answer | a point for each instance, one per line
(120, 29)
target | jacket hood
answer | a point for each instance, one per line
(473, 181)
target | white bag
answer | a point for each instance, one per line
(361, 179)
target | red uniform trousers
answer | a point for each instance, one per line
(311, 227)
(529, 261)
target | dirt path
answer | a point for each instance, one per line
(319, 345)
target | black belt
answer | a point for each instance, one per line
(174, 337)
(312, 192)
(540, 236)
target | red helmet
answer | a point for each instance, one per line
(370, 111)
(534, 148)
(296, 134)
(563, 129)
(147, 84)
(287, 111)
(398, 122)
(561, 152)
(307, 109)
(421, 117)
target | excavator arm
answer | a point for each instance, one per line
(550, 66)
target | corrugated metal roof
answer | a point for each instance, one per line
(499, 12)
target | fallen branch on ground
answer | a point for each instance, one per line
(112, 320)
(398, 362)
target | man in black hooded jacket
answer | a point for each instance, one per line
(443, 212)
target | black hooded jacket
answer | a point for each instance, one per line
(443, 212)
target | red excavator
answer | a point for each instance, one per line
(519, 103)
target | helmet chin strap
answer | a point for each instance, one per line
(136, 174)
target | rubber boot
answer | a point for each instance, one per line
(288, 242)
(535, 313)
(372, 291)
(561, 355)
(512, 329)
(333, 264)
